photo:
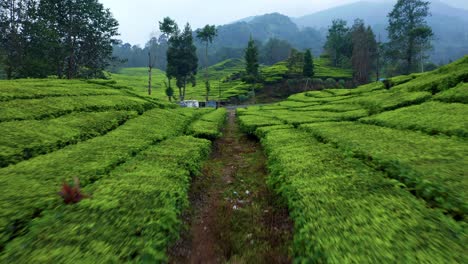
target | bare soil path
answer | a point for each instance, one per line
(234, 217)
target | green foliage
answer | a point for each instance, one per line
(182, 61)
(295, 63)
(344, 211)
(353, 190)
(31, 185)
(63, 38)
(57, 106)
(439, 80)
(457, 94)
(209, 125)
(251, 59)
(274, 51)
(27, 139)
(437, 175)
(431, 117)
(220, 77)
(365, 52)
(40, 88)
(133, 216)
(409, 33)
(338, 45)
(308, 70)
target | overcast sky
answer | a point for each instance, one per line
(138, 18)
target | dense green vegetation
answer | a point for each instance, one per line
(344, 210)
(209, 125)
(372, 173)
(430, 117)
(29, 138)
(225, 79)
(121, 158)
(133, 215)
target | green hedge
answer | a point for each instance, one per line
(434, 167)
(58, 106)
(31, 186)
(209, 125)
(133, 215)
(458, 94)
(387, 100)
(39, 88)
(26, 139)
(431, 117)
(346, 212)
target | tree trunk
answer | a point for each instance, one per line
(185, 85)
(206, 70)
(150, 72)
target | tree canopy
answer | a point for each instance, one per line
(409, 34)
(56, 37)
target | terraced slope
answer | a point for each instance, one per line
(134, 157)
(376, 173)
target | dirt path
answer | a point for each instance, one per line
(234, 217)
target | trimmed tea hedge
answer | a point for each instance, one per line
(133, 215)
(26, 139)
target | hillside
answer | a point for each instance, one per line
(382, 171)
(224, 79)
(380, 168)
(115, 143)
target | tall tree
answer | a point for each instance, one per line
(308, 69)
(251, 59)
(207, 35)
(152, 47)
(295, 63)
(409, 33)
(338, 44)
(170, 31)
(182, 61)
(364, 54)
(14, 15)
(274, 50)
(56, 37)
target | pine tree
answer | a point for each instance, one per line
(308, 69)
(409, 33)
(251, 59)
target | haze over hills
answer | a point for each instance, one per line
(450, 26)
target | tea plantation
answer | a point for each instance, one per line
(376, 174)
(134, 157)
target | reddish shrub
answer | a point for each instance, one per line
(71, 193)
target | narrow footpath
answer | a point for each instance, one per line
(234, 217)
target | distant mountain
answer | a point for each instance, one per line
(449, 24)
(262, 28)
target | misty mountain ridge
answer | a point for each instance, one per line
(450, 26)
